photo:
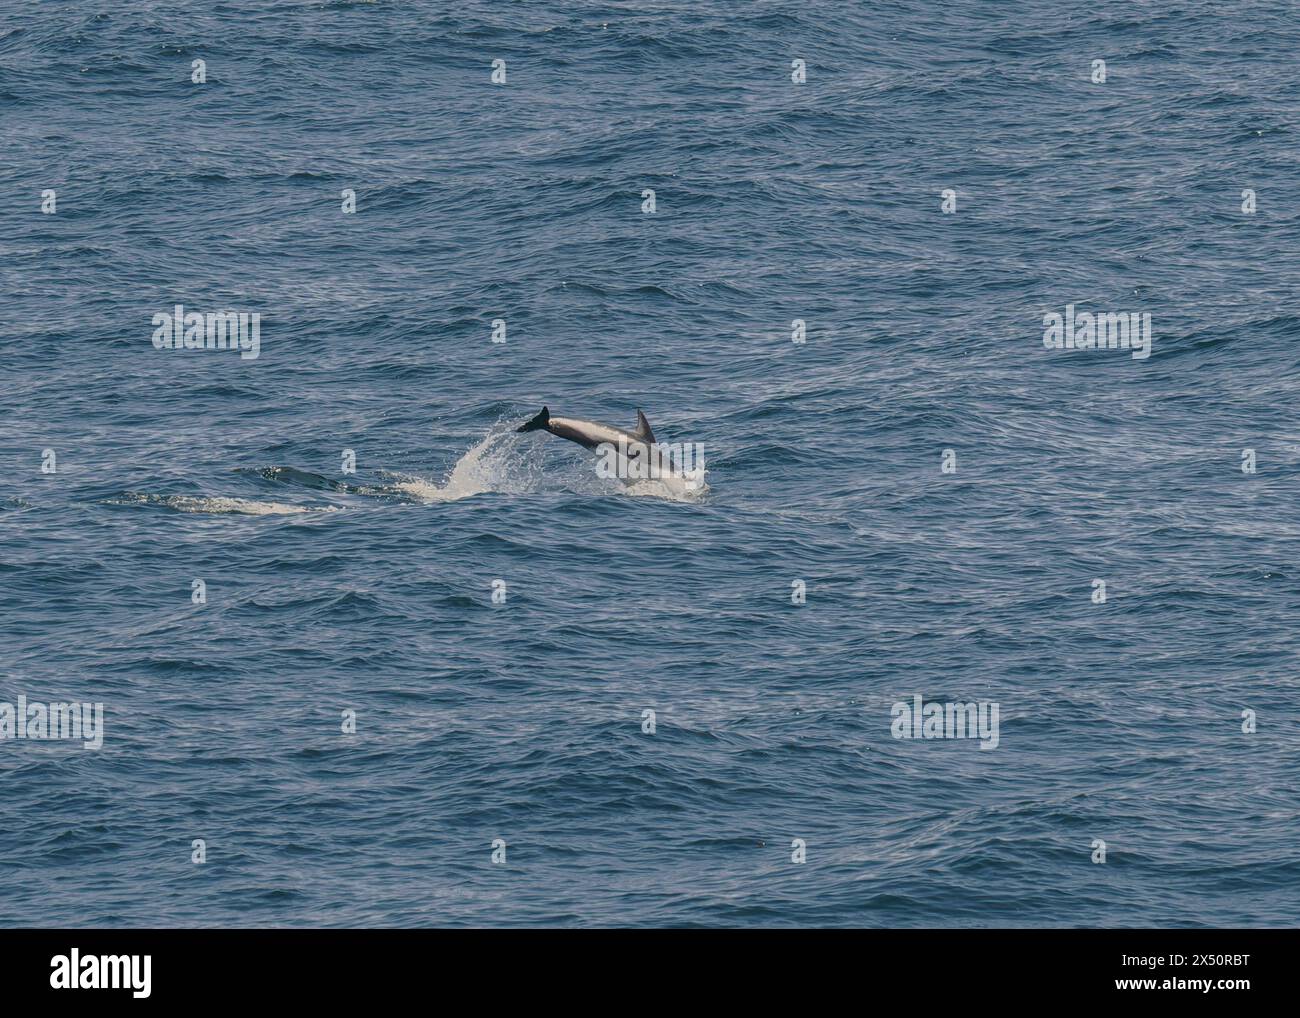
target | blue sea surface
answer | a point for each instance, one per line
(480, 721)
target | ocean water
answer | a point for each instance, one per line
(521, 721)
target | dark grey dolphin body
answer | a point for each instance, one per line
(590, 434)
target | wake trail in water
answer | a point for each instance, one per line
(219, 505)
(502, 461)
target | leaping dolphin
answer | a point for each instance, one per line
(629, 455)
(589, 434)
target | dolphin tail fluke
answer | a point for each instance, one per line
(538, 423)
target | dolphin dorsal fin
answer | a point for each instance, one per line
(643, 431)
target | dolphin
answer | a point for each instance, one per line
(639, 445)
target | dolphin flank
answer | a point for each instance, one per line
(590, 434)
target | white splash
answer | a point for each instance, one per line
(493, 464)
(507, 462)
(688, 486)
